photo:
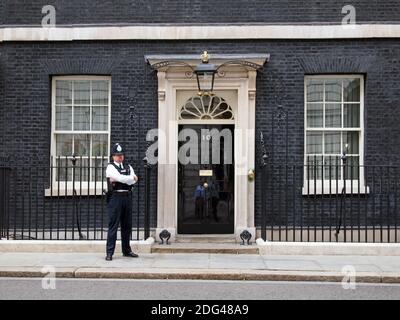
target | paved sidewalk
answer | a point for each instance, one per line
(204, 266)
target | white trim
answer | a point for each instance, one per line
(206, 121)
(85, 186)
(167, 204)
(66, 189)
(197, 32)
(318, 183)
(333, 187)
(225, 85)
(259, 59)
(209, 112)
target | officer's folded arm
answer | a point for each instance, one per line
(115, 176)
(133, 175)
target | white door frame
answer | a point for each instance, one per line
(177, 87)
(172, 80)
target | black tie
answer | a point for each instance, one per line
(120, 166)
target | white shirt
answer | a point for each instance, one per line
(115, 176)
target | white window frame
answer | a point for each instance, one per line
(63, 188)
(333, 186)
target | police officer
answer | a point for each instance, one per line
(120, 179)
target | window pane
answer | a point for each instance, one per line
(315, 90)
(314, 167)
(100, 92)
(100, 118)
(99, 169)
(314, 142)
(81, 118)
(81, 170)
(353, 168)
(100, 145)
(332, 142)
(333, 90)
(191, 111)
(63, 92)
(63, 170)
(352, 139)
(351, 115)
(81, 144)
(351, 90)
(63, 145)
(314, 115)
(333, 117)
(81, 92)
(63, 118)
(332, 169)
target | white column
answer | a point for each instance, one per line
(164, 176)
(242, 196)
(251, 148)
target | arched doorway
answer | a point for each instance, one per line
(206, 177)
(175, 87)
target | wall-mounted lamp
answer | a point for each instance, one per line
(205, 74)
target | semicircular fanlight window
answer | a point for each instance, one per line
(206, 107)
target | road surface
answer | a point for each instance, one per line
(32, 288)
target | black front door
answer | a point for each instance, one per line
(206, 185)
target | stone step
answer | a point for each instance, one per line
(205, 238)
(223, 248)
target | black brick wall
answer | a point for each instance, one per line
(23, 12)
(28, 68)
(2, 111)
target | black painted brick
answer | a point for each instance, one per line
(23, 12)
(28, 67)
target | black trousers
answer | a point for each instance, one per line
(119, 211)
(199, 207)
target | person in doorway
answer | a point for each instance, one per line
(214, 195)
(120, 179)
(199, 196)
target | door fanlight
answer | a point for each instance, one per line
(206, 107)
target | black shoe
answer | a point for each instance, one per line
(109, 258)
(130, 255)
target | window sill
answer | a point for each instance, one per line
(85, 189)
(332, 188)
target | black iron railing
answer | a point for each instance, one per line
(329, 201)
(66, 201)
(320, 201)
(4, 201)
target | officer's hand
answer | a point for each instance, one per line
(135, 179)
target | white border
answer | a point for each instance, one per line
(351, 187)
(167, 204)
(185, 32)
(87, 188)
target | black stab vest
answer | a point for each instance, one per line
(115, 186)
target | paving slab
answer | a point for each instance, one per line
(202, 266)
(357, 267)
(182, 264)
(229, 261)
(125, 262)
(181, 256)
(290, 264)
(21, 259)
